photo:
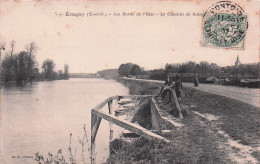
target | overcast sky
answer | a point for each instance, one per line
(89, 44)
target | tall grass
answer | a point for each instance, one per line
(59, 158)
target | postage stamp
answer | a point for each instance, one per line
(224, 25)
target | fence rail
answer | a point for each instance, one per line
(97, 116)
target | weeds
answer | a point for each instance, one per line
(84, 141)
(59, 157)
(72, 157)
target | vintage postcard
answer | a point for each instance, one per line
(128, 81)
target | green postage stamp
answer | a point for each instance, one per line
(224, 25)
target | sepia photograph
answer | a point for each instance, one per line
(129, 82)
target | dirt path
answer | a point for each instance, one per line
(207, 127)
(216, 128)
(246, 95)
(235, 151)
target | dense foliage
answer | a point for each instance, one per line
(205, 68)
(22, 67)
(129, 69)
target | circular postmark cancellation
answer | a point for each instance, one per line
(225, 25)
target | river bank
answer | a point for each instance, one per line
(216, 129)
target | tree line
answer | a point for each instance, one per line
(203, 68)
(22, 67)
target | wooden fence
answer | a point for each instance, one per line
(97, 115)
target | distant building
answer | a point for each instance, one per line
(237, 63)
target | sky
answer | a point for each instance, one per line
(89, 44)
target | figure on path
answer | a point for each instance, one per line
(178, 87)
(164, 89)
(170, 85)
(195, 81)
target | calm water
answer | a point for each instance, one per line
(41, 116)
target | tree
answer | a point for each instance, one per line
(48, 69)
(2, 47)
(168, 68)
(66, 71)
(60, 74)
(172, 68)
(214, 68)
(9, 73)
(22, 66)
(31, 48)
(135, 70)
(4, 68)
(188, 67)
(22, 61)
(204, 66)
(12, 44)
(129, 69)
(197, 68)
(12, 62)
(122, 70)
(36, 73)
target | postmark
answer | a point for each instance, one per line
(224, 26)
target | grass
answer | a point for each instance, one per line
(240, 120)
(198, 141)
(188, 145)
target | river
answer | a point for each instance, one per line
(41, 116)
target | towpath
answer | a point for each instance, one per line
(246, 95)
(216, 128)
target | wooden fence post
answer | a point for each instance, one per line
(110, 108)
(95, 122)
(176, 103)
(111, 111)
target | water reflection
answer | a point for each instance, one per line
(41, 116)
